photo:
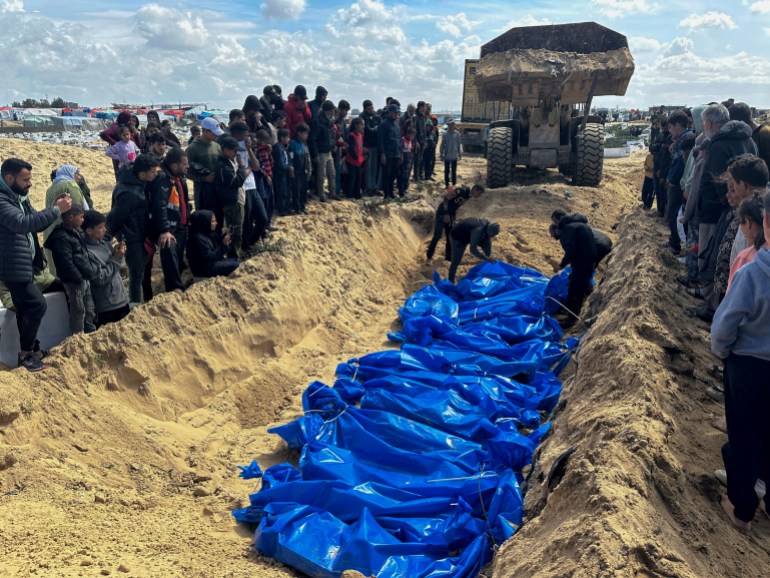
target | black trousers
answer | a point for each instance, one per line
(389, 175)
(660, 196)
(458, 250)
(441, 228)
(579, 281)
(747, 453)
(171, 259)
(351, 182)
(674, 201)
(30, 308)
(648, 192)
(254, 219)
(450, 166)
(111, 316)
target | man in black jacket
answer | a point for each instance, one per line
(661, 165)
(477, 233)
(446, 215)
(372, 166)
(20, 252)
(419, 139)
(127, 220)
(322, 142)
(581, 252)
(389, 148)
(170, 215)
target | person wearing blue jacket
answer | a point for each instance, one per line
(740, 336)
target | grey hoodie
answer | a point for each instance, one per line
(107, 288)
(742, 322)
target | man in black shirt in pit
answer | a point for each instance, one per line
(477, 233)
(446, 215)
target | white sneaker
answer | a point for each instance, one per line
(759, 488)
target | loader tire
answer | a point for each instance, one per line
(589, 156)
(499, 157)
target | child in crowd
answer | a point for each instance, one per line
(156, 146)
(229, 177)
(299, 171)
(265, 178)
(254, 215)
(407, 151)
(429, 155)
(354, 159)
(73, 267)
(125, 150)
(107, 289)
(750, 219)
(205, 252)
(278, 122)
(451, 152)
(281, 173)
(195, 132)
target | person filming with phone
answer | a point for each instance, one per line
(21, 254)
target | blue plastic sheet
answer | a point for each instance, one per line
(411, 464)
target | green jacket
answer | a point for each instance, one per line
(203, 159)
(55, 191)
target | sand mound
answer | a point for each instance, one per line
(637, 496)
(122, 457)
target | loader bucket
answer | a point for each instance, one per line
(564, 62)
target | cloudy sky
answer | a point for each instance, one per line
(686, 52)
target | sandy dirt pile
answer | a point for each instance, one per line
(120, 459)
(637, 497)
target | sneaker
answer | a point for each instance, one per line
(760, 489)
(31, 362)
(682, 260)
(696, 292)
(272, 228)
(715, 393)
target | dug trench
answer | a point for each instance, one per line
(121, 458)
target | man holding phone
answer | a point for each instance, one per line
(20, 253)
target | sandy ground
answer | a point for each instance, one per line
(121, 459)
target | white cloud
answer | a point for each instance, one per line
(455, 25)
(762, 6)
(679, 46)
(622, 8)
(12, 6)
(283, 9)
(643, 44)
(170, 29)
(711, 19)
(367, 20)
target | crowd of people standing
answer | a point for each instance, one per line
(708, 170)
(269, 160)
